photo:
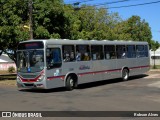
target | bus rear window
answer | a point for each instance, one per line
(30, 45)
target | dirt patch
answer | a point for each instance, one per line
(2, 72)
(157, 71)
(8, 83)
(7, 79)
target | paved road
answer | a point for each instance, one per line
(141, 93)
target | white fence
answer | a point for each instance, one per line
(157, 61)
(155, 56)
(5, 66)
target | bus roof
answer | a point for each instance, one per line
(97, 42)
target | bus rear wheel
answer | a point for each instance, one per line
(70, 83)
(125, 74)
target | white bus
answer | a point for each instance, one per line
(55, 63)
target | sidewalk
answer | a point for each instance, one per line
(154, 71)
(158, 70)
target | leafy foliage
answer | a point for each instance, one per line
(11, 69)
(53, 19)
(13, 15)
(154, 45)
(49, 19)
(133, 29)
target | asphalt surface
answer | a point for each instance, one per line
(140, 93)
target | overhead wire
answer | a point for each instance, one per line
(141, 4)
(112, 2)
(124, 6)
(99, 4)
(74, 2)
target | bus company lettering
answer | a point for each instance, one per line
(84, 67)
(57, 72)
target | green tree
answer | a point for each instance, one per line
(133, 29)
(121, 32)
(13, 15)
(89, 23)
(53, 19)
(49, 19)
(48, 22)
(154, 46)
(139, 29)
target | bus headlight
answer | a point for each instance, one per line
(41, 78)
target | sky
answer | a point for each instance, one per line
(150, 12)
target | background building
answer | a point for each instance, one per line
(155, 56)
(6, 62)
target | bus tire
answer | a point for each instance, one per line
(70, 83)
(125, 74)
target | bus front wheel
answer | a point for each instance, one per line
(70, 83)
(125, 74)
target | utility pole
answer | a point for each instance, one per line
(154, 66)
(76, 6)
(30, 7)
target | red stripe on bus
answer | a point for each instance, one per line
(139, 67)
(53, 77)
(96, 72)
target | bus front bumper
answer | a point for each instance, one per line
(37, 85)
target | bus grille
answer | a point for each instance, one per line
(29, 76)
(28, 85)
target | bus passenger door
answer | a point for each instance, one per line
(53, 64)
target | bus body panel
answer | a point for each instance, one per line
(86, 71)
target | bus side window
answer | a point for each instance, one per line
(83, 53)
(131, 53)
(78, 56)
(97, 52)
(53, 58)
(146, 50)
(109, 51)
(121, 51)
(68, 53)
(140, 51)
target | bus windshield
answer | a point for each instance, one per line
(30, 60)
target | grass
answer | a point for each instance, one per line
(156, 67)
(7, 79)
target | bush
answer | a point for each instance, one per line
(11, 69)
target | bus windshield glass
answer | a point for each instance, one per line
(30, 61)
